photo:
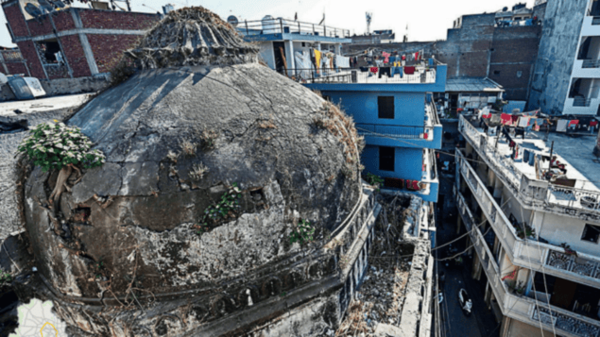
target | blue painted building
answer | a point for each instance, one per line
(400, 125)
(396, 114)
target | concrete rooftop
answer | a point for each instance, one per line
(7, 109)
(576, 153)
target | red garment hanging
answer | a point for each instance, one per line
(409, 70)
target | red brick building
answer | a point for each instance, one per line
(12, 62)
(74, 42)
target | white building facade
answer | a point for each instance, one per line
(583, 96)
(535, 241)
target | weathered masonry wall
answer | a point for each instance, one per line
(92, 41)
(12, 63)
(558, 47)
(479, 49)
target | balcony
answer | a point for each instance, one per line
(395, 132)
(517, 306)
(530, 254)
(591, 26)
(534, 193)
(422, 75)
(590, 63)
(581, 101)
(280, 26)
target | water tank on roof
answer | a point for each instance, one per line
(233, 20)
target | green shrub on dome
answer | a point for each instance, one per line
(55, 146)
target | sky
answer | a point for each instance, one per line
(427, 20)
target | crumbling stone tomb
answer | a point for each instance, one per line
(230, 201)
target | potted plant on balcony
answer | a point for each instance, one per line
(517, 288)
(525, 231)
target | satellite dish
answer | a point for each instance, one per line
(3, 79)
(58, 4)
(46, 6)
(33, 10)
(232, 20)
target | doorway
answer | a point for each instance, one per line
(280, 61)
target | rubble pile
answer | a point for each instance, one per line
(192, 36)
(381, 296)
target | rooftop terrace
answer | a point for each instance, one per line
(421, 75)
(271, 26)
(578, 189)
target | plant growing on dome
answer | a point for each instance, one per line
(303, 233)
(55, 146)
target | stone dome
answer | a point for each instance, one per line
(176, 141)
(212, 162)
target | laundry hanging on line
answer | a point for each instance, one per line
(317, 59)
(386, 57)
(342, 61)
(561, 125)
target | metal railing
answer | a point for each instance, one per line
(422, 75)
(394, 131)
(280, 25)
(581, 203)
(531, 254)
(590, 64)
(512, 304)
(435, 118)
(581, 101)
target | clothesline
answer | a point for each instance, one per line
(379, 50)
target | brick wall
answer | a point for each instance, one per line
(16, 68)
(15, 19)
(108, 49)
(75, 55)
(63, 21)
(33, 62)
(117, 20)
(42, 27)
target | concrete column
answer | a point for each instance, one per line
(289, 57)
(497, 187)
(3, 64)
(597, 148)
(487, 296)
(85, 44)
(476, 268)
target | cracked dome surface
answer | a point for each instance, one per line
(293, 156)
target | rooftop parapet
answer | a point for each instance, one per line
(575, 195)
(270, 26)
